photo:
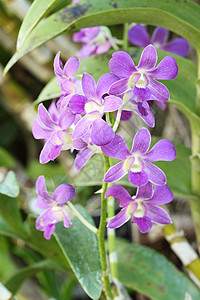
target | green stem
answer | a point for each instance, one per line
(81, 218)
(195, 164)
(101, 236)
(125, 36)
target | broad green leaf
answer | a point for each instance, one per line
(181, 17)
(178, 172)
(148, 272)
(80, 247)
(10, 186)
(6, 159)
(10, 213)
(15, 281)
(38, 10)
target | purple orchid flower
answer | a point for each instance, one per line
(93, 105)
(96, 40)
(143, 207)
(139, 36)
(141, 79)
(55, 132)
(137, 162)
(55, 210)
(69, 84)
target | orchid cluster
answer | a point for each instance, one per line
(79, 121)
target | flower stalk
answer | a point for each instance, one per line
(101, 236)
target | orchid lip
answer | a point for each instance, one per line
(92, 106)
(133, 164)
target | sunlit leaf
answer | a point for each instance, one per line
(181, 17)
(9, 186)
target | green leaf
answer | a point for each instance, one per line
(38, 10)
(80, 247)
(6, 159)
(148, 272)
(181, 17)
(50, 91)
(10, 186)
(15, 281)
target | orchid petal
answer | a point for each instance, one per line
(49, 152)
(38, 131)
(117, 148)
(159, 36)
(112, 103)
(63, 193)
(158, 215)
(121, 64)
(89, 86)
(119, 87)
(101, 133)
(145, 191)
(148, 58)
(115, 173)
(141, 141)
(82, 158)
(66, 119)
(77, 104)
(138, 178)
(163, 150)
(44, 199)
(144, 224)
(79, 144)
(104, 83)
(83, 126)
(121, 218)
(162, 195)
(58, 65)
(49, 229)
(71, 66)
(177, 46)
(66, 220)
(139, 36)
(158, 90)
(166, 69)
(118, 192)
(155, 174)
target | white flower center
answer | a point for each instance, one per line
(134, 167)
(92, 106)
(140, 211)
(139, 83)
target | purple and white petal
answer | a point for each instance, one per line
(160, 36)
(112, 103)
(49, 152)
(79, 144)
(144, 224)
(138, 178)
(101, 133)
(145, 191)
(103, 48)
(166, 69)
(63, 193)
(155, 174)
(117, 148)
(119, 87)
(104, 83)
(118, 192)
(139, 36)
(58, 68)
(141, 141)
(121, 64)
(122, 217)
(162, 150)
(89, 86)
(49, 229)
(83, 126)
(44, 199)
(66, 220)
(82, 158)
(38, 131)
(71, 66)
(177, 46)
(77, 104)
(158, 215)
(158, 90)
(115, 173)
(162, 195)
(66, 119)
(45, 117)
(148, 58)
